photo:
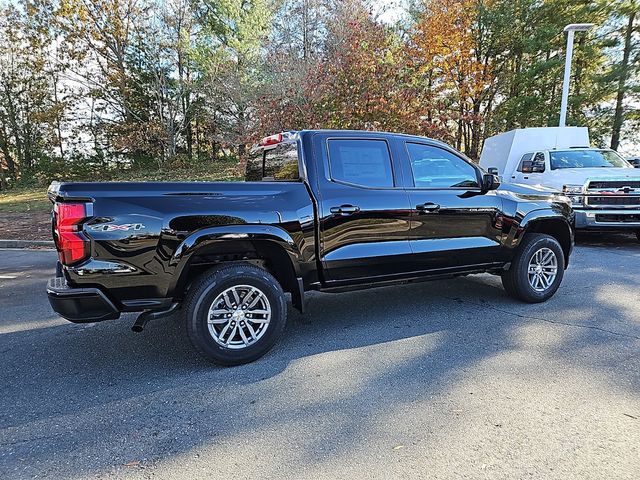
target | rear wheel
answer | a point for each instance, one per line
(235, 314)
(537, 269)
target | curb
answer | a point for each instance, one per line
(26, 244)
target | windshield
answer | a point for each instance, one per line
(586, 159)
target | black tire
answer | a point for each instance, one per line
(516, 279)
(208, 288)
(638, 235)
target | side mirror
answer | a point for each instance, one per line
(492, 170)
(490, 182)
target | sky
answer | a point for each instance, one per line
(389, 11)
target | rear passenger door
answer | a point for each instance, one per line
(453, 223)
(364, 213)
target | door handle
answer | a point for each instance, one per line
(345, 209)
(428, 207)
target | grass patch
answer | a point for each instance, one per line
(34, 199)
(24, 200)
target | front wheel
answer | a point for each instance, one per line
(537, 269)
(235, 314)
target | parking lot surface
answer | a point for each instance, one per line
(445, 379)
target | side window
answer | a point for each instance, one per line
(532, 163)
(538, 163)
(277, 163)
(437, 168)
(361, 162)
(525, 163)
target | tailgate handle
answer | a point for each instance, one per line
(428, 207)
(345, 209)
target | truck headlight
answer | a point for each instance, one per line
(574, 192)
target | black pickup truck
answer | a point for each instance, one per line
(320, 210)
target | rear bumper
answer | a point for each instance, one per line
(80, 305)
(609, 219)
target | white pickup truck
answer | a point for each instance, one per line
(603, 187)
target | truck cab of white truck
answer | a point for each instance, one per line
(603, 187)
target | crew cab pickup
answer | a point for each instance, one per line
(319, 210)
(603, 187)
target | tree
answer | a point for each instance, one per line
(164, 73)
(449, 51)
(89, 85)
(100, 36)
(133, 59)
(299, 28)
(31, 103)
(228, 59)
(628, 67)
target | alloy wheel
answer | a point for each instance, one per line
(239, 316)
(543, 268)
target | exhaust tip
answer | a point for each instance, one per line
(147, 315)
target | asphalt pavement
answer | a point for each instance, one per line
(446, 379)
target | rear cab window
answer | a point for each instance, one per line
(360, 162)
(274, 163)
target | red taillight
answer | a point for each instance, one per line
(72, 245)
(271, 140)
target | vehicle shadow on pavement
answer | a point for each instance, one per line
(81, 400)
(615, 240)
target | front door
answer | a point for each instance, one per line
(453, 223)
(364, 214)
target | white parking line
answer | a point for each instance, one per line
(7, 277)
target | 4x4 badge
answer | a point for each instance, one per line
(112, 228)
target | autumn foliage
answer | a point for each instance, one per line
(368, 82)
(92, 86)
(434, 84)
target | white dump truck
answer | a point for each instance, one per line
(603, 187)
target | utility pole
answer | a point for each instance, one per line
(570, 31)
